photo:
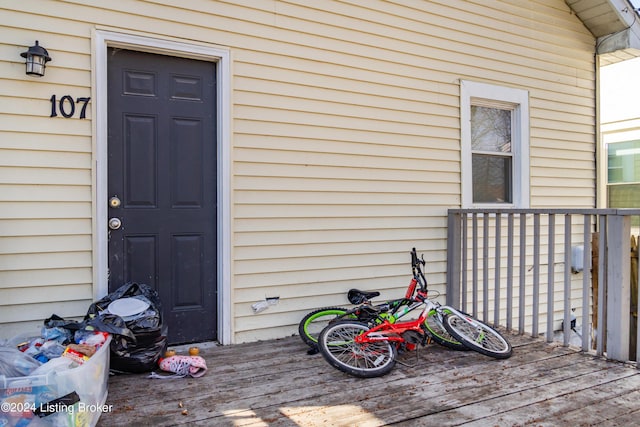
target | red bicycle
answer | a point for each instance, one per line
(370, 350)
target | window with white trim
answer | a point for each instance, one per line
(495, 145)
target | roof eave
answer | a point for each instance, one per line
(614, 23)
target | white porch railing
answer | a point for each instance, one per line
(530, 270)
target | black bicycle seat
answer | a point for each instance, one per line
(356, 296)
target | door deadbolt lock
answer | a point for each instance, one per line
(115, 223)
(114, 202)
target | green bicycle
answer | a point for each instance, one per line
(365, 311)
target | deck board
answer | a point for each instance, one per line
(275, 383)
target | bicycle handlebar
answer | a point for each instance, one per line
(416, 262)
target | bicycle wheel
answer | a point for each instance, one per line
(439, 334)
(365, 360)
(477, 335)
(310, 326)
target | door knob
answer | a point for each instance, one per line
(115, 223)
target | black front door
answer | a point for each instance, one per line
(162, 185)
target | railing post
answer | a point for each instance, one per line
(536, 275)
(618, 286)
(485, 268)
(551, 268)
(567, 281)
(464, 261)
(474, 265)
(586, 284)
(523, 273)
(497, 272)
(602, 284)
(510, 272)
(453, 259)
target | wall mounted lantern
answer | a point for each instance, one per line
(36, 60)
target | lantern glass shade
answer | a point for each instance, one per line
(36, 60)
(35, 65)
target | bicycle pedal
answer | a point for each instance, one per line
(426, 339)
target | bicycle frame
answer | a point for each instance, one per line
(387, 331)
(418, 278)
(393, 332)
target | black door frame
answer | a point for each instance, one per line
(104, 39)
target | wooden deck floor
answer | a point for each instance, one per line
(275, 383)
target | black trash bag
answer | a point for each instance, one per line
(149, 342)
(130, 290)
(146, 321)
(56, 321)
(122, 337)
(143, 357)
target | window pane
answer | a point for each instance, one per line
(624, 162)
(491, 179)
(490, 129)
(625, 196)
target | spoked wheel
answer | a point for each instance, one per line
(439, 334)
(477, 335)
(314, 322)
(365, 360)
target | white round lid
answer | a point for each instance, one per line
(124, 307)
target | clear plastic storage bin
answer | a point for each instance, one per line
(69, 397)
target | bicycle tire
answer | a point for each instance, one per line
(435, 328)
(315, 321)
(477, 335)
(366, 360)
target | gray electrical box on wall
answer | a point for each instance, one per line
(577, 259)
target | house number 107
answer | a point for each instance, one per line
(67, 106)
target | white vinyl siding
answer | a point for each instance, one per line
(345, 144)
(45, 181)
